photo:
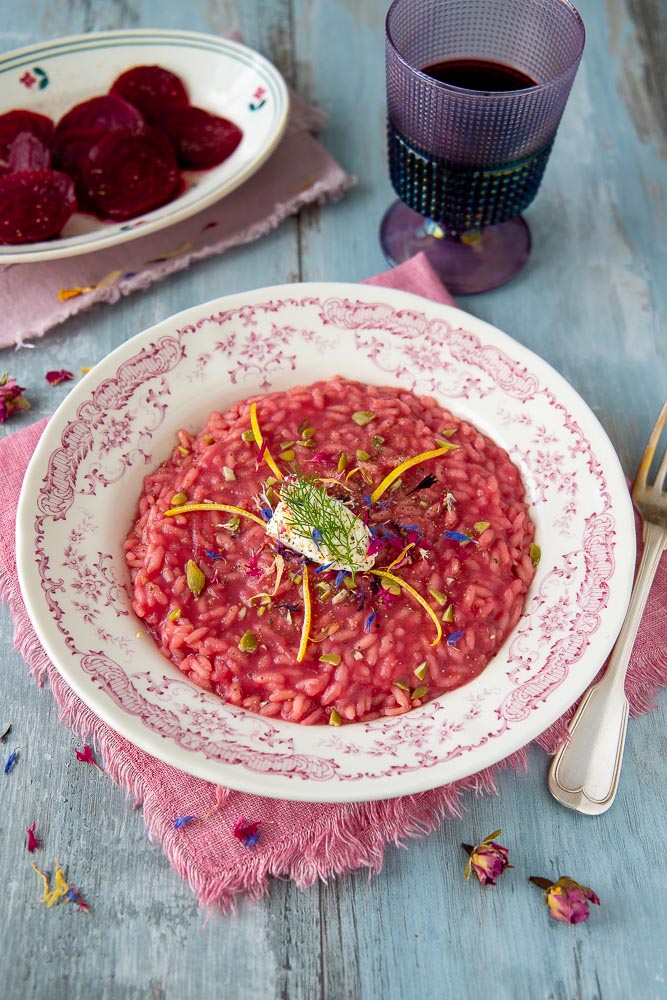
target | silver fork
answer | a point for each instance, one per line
(584, 773)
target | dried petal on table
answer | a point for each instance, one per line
(56, 377)
(86, 756)
(33, 840)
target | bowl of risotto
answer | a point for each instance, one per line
(325, 542)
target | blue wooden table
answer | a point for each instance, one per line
(592, 301)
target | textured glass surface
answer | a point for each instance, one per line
(470, 161)
(543, 38)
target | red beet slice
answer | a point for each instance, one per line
(71, 146)
(82, 127)
(131, 171)
(199, 138)
(105, 113)
(27, 152)
(34, 205)
(151, 89)
(14, 122)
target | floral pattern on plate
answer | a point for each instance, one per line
(82, 487)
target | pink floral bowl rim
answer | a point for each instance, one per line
(80, 493)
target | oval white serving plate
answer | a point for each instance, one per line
(220, 75)
(80, 494)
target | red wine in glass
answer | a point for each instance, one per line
(486, 75)
(467, 196)
(475, 93)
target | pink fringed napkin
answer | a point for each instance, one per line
(36, 297)
(300, 841)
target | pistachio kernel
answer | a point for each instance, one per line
(248, 642)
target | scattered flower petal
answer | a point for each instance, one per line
(457, 536)
(182, 821)
(56, 377)
(247, 833)
(74, 896)
(424, 484)
(60, 888)
(6, 733)
(487, 861)
(210, 554)
(369, 621)
(33, 840)
(11, 760)
(86, 756)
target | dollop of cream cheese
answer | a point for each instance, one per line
(347, 534)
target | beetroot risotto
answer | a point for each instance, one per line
(332, 553)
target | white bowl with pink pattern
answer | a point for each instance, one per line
(80, 494)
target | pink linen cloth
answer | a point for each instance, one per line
(300, 841)
(36, 297)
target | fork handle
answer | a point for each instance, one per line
(584, 773)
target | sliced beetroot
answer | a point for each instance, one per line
(106, 113)
(27, 152)
(152, 89)
(34, 205)
(199, 138)
(81, 128)
(71, 146)
(131, 171)
(12, 123)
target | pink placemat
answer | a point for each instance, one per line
(36, 297)
(300, 841)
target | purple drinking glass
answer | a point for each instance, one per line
(475, 93)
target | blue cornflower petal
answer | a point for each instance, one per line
(369, 621)
(457, 536)
(182, 820)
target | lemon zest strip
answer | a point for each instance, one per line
(259, 440)
(307, 614)
(404, 466)
(416, 596)
(187, 508)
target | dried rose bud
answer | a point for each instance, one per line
(12, 399)
(567, 900)
(488, 860)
